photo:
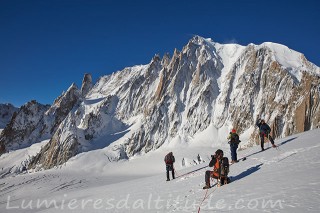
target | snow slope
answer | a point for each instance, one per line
(290, 59)
(284, 180)
(14, 162)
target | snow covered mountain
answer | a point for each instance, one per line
(206, 87)
(6, 112)
(35, 122)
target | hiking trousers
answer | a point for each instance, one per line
(262, 135)
(212, 175)
(169, 167)
(233, 150)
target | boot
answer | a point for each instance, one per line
(207, 186)
(168, 179)
(274, 146)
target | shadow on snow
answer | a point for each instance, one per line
(246, 173)
(286, 141)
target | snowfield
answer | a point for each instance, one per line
(276, 180)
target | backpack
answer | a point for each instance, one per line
(168, 159)
(224, 165)
(234, 138)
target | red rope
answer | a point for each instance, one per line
(206, 196)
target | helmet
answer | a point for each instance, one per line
(233, 131)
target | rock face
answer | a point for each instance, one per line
(205, 86)
(76, 132)
(61, 107)
(86, 84)
(6, 112)
(25, 127)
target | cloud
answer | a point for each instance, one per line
(231, 41)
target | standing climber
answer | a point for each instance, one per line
(169, 160)
(234, 142)
(264, 131)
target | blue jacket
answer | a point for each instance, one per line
(263, 128)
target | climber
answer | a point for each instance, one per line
(234, 142)
(169, 160)
(220, 170)
(264, 131)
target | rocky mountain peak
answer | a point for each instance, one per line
(156, 58)
(20, 132)
(198, 40)
(62, 106)
(6, 112)
(35, 122)
(70, 96)
(86, 84)
(165, 59)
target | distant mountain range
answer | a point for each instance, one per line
(205, 87)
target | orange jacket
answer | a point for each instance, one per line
(216, 168)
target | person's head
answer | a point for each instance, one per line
(219, 154)
(233, 131)
(262, 121)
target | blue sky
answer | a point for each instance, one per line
(46, 45)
